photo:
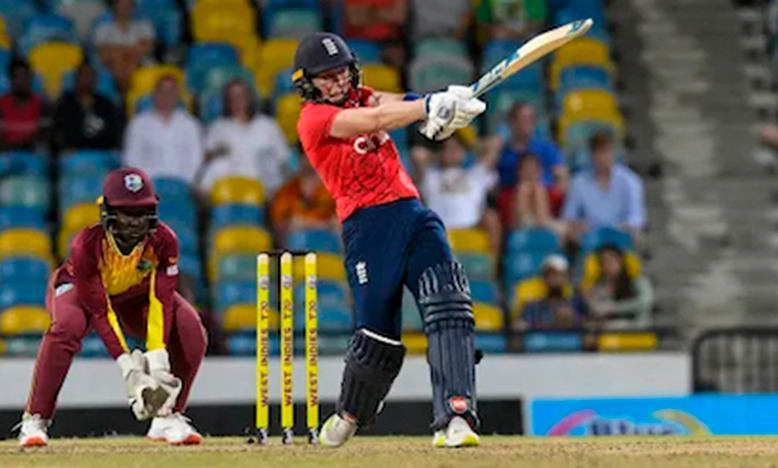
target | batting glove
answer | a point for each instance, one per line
(449, 111)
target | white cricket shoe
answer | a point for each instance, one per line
(336, 431)
(457, 434)
(33, 431)
(174, 429)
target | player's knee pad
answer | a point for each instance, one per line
(445, 303)
(372, 364)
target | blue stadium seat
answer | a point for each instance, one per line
(366, 51)
(23, 163)
(106, 85)
(22, 293)
(23, 346)
(87, 162)
(245, 344)
(202, 57)
(307, 4)
(41, 29)
(16, 14)
(479, 266)
(329, 294)
(539, 342)
(187, 235)
(173, 188)
(335, 319)
(521, 265)
(24, 270)
(491, 343)
(21, 217)
(584, 77)
(595, 239)
(283, 84)
(485, 291)
(318, 240)
(290, 23)
(92, 346)
(533, 239)
(178, 212)
(76, 190)
(228, 293)
(229, 215)
(191, 265)
(168, 21)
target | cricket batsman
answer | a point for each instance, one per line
(121, 276)
(390, 238)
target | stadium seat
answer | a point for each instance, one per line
(25, 191)
(382, 77)
(591, 268)
(231, 215)
(485, 292)
(24, 270)
(172, 188)
(92, 347)
(21, 217)
(191, 265)
(287, 115)
(243, 317)
(230, 293)
(441, 46)
(85, 188)
(521, 265)
(415, 343)
(368, 52)
(106, 85)
(177, 211)
(624, 342)
(16, 14)
(575, 78)
(87, 162)
(491, 343)
(201, 58)
(328, 267)
(318, 240)
(469, 240)
(82, 13)
(543, 342)
(168, 21)
(597, 238)
(589, 104)
(283, 85)
(217, 77)
(241, 239)
(78, 216)
(583, 51)
(237, 191)
(291, 23)
(535, 239)
(23, 163)
(233, 24)
(23, 319)
(411, 318)
(488, 316)
(237, 267)
(333, 319)
(479, 266)
(41, 29)
(187, 235)
(18, 293)
(52, 61)
(26, 242)
(274, 56)
(437, 72)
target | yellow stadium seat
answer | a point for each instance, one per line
(592, 271)
(274, 56)
(234, 24)
(14, 242)
(382, 78)
(52, 60)
(287, 114)
(237, 240)
(3, 347)
(5, 42)
(328, 267)
(80, 216)
(415, 343)
(469, 240)
(583, 51)
(237, 190)
(23, 319)
(225, 3)
(488, 317)
(244, 317)
(145, 79)
(627, 342)
(589, 101)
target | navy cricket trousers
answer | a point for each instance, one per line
(388, 246)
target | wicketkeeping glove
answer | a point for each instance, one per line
(145, 395)
(158, 363)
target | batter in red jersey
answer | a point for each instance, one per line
(121, 276)
(391, 239)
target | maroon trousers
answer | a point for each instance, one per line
(70, 324)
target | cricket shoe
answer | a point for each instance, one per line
(336, 431)
(458, 433)
(174, 429)
(33, 431)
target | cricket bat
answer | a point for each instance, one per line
(535, 49)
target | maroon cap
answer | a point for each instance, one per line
(127, 187)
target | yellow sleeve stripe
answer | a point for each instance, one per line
(117, 329)
(155, 326)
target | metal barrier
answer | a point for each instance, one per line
(736, 361)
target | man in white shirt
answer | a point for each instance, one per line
(166, 140)
(458, 192)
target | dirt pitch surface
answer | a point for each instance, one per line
(405, 452)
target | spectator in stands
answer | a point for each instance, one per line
(165, 141)
(609, 196)
(617, 294)
(511, 19)
(302, 203)
(124, 41)
(23, 114)
(85, 119)
(527, 205)
(245, 142)
(458, 194)
(379, 21)
(523, 140)
(548, 301)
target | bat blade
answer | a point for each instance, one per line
(535, 49)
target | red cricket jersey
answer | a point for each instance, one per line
(359, 172)
(106, 281)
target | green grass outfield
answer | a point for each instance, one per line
(405, 452)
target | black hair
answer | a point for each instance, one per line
(517, 107)
(600, 140)
(253, 102)
(624, 287)
(16, 64)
